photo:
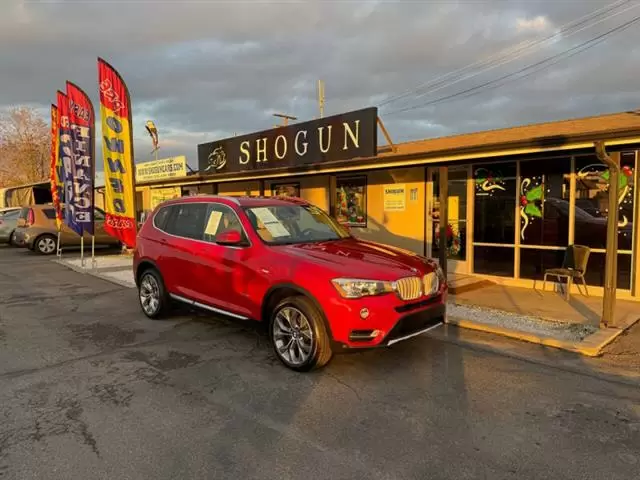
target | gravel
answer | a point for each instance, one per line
(524, 323)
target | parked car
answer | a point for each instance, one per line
(8, 223)
(37, 231)
(287, 263)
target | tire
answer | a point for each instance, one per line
(310, 346)
(152, 294)
(45, 244)
(12, 239)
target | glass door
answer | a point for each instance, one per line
(457, 213)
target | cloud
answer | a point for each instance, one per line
(207, 70)
(537, 24)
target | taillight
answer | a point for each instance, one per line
(30, 218)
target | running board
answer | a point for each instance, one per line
(193, 303)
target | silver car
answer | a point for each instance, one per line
(8, 223)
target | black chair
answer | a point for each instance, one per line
(574, 267)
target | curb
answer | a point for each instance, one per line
(96, 273)
(589, 348)
(626, 377)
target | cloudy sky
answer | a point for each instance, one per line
(204, 70)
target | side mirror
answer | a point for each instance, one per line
(230, 238)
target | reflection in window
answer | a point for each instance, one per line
(495, 195)
(544, 201)
(592, 186)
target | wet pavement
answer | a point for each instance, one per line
(90, 388)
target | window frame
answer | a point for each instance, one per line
(172, 209)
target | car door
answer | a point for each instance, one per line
(224, 273)
(67, 236)
(182, 242)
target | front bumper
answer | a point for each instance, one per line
(387, 323)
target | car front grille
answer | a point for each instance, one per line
(409, 288)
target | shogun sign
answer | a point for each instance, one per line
(162, 169)
(340, 137)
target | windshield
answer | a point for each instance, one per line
(289, 224)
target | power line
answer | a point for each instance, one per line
(512, 53)
(523, 71)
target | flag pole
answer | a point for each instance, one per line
(94, 262)
(58, 249)
(82, 262)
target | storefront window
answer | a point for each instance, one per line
(351, 201)
(592, 186)
(456, 213)
(285, 189)
(494, 201)
(544, 193)
(493, 260)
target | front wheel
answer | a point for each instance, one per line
(46, 245)
(299, 335)
(152, 294)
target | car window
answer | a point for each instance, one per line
(161, 217)
(187, 220)
(221, 218)
(50, 213)
(11, 214)
(288, 224)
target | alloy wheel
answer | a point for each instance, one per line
(46, 245)
(293, 336)
(149, 294)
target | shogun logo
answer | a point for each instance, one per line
(217, 159)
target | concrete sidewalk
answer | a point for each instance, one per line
(544, 318)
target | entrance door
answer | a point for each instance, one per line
(457, 228)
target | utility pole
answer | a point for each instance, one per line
(321, 97)
(611, 259)
(285, 118)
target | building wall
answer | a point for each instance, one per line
(404, 229)
(239, 188)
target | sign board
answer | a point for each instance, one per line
(339, 137)
(162, 169)
(159, 195)
(395, 198)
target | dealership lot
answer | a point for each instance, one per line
(93, 389)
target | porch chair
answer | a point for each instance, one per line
(574, 267)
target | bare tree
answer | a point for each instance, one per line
(25, 145)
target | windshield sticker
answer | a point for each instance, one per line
(271, 223)
(213, 223)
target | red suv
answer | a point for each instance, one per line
(286, 262)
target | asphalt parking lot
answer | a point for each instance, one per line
(92, 389)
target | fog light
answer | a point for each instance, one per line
(364, 313)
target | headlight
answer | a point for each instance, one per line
(441, 277)
(357, 288)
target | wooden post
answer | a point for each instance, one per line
(443, 175)
(611, 261)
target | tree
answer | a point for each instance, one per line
(25, 146)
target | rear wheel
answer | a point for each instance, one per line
(299, 335)
(152, 294)
(45, 244)
(12, 239)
